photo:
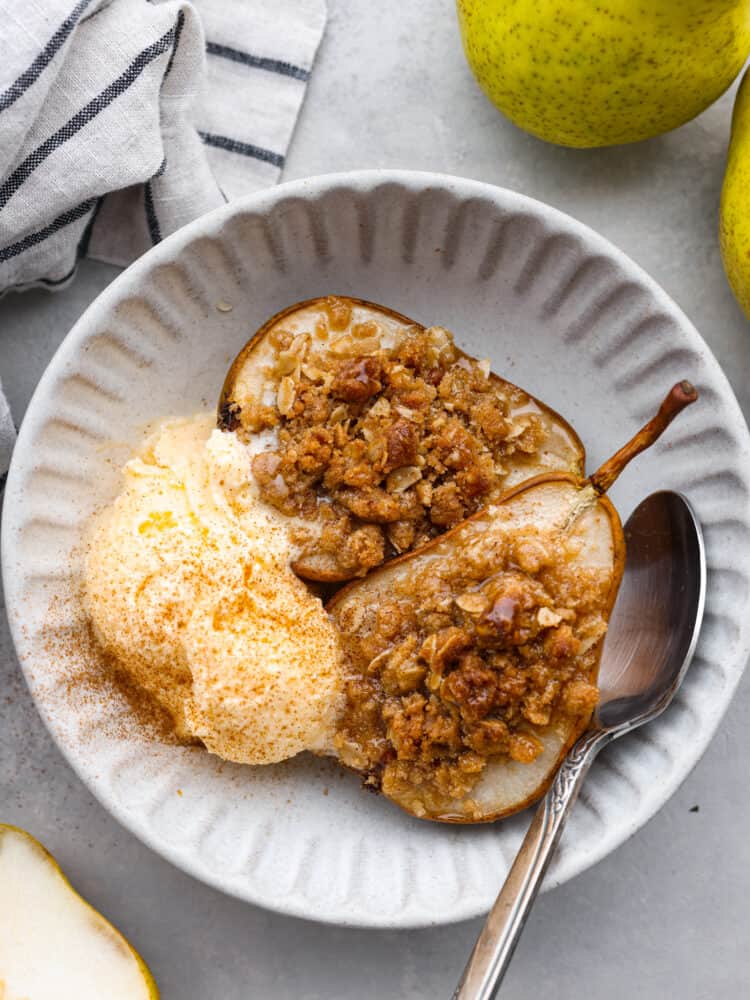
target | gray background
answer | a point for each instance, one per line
(666, 915)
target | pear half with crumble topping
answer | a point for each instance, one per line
(471, 664)
(376, 434)
(53, 944)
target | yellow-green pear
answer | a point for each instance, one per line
(53, 944)
(734, 228)
(583, 73)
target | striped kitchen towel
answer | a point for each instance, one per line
(121, 120)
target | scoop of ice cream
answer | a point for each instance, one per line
(188, 586)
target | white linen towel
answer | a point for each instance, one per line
(121, 120)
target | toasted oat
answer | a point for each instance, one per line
(343, 346)
(548, 618)
(473, 603)
(300, 345)
(313, 373)
(401, 479)
(518, 427)
(404, 411)
(381, 408)
(287, 363)
(347, 347)
(439, 336)
(285, 396)
(339, 413)
(424, 493)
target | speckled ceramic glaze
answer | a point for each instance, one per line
(559, 311)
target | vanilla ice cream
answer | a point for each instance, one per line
(188, 585)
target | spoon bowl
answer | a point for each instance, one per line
(650, 641)
(656, 621)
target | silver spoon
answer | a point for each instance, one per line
(650, 642)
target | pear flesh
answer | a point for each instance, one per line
(53, 944)
(301, 350)
(530, 582)
(595, 536)
(587, 75)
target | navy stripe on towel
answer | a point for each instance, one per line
(258, 62)
(72, 215)
(44, 58)
(243, 148)
(24, 170)
(154, 229)
(177, 33)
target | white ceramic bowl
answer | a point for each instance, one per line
(559, 311)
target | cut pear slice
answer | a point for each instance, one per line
(53, 944)
(472, 662)
(350, 376)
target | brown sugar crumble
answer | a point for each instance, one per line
(380, 448)
(466, 660)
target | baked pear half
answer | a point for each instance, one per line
(376, 434)
(471, 664)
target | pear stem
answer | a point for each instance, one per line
(680, 396)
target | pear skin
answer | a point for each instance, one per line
(734, 225)
(584, 75)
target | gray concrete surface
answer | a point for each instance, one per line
(666, 916)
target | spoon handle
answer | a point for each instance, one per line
(498, 939)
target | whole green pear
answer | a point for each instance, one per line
(734, 225)
(601, 72)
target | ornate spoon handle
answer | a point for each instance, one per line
(498, 939)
